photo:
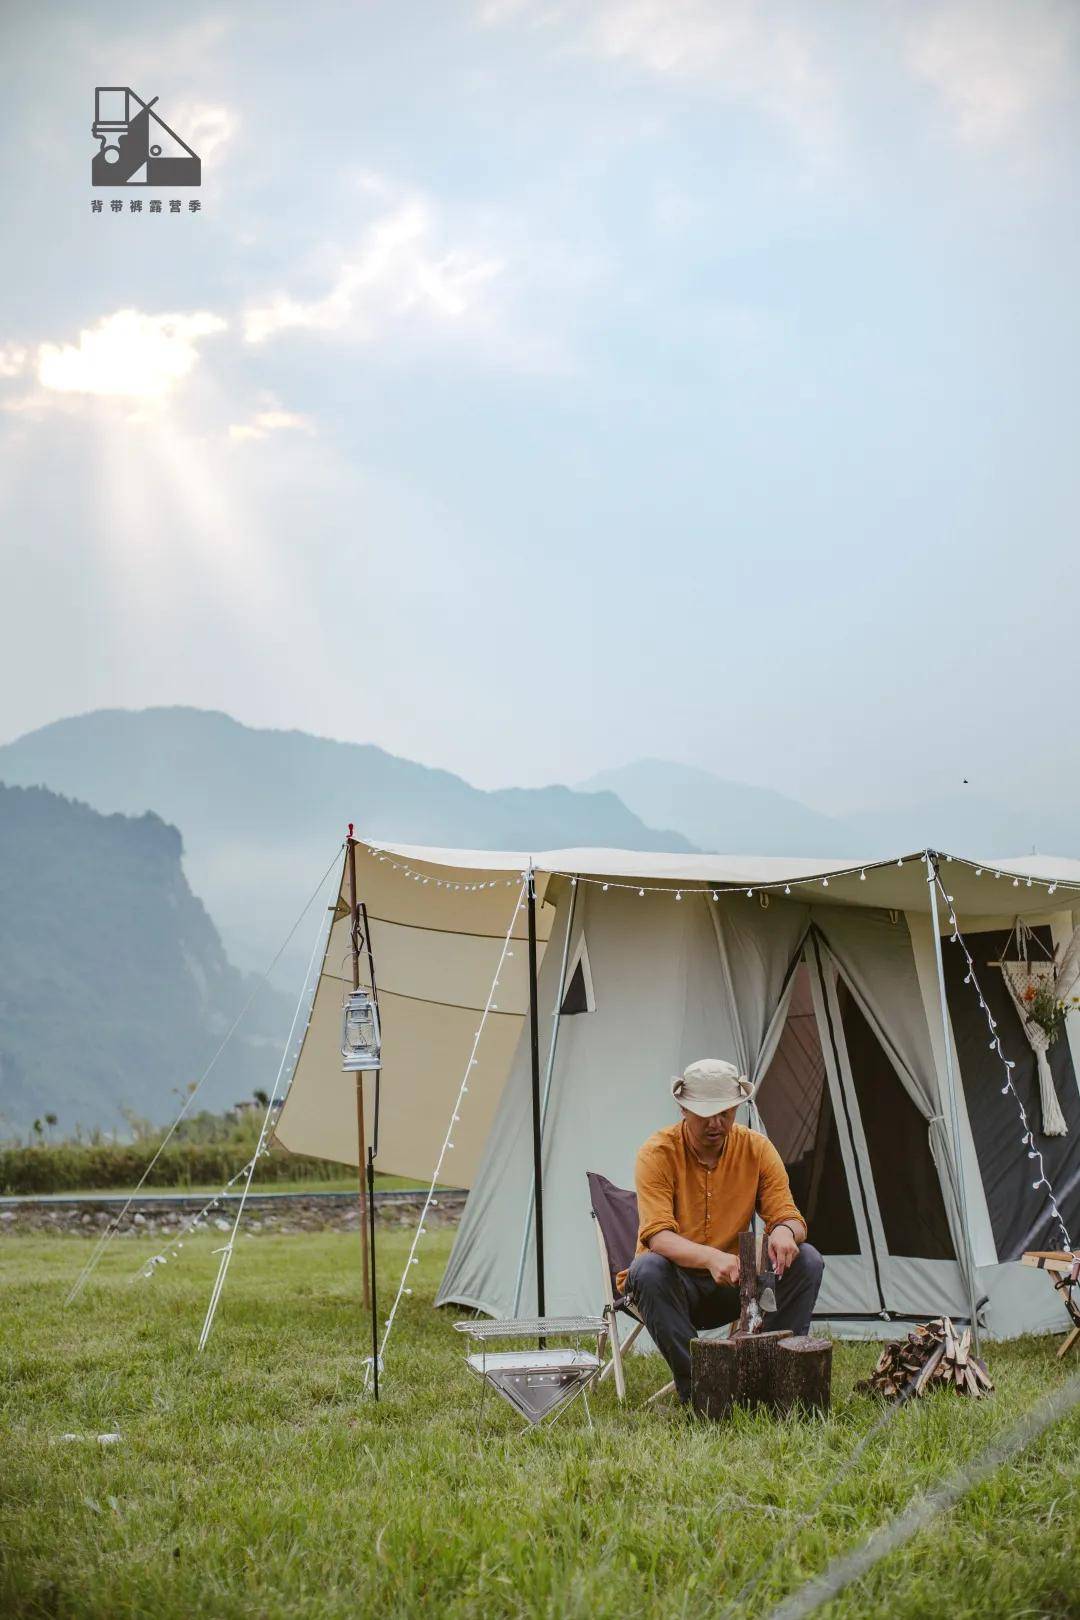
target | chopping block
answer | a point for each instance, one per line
(778, 1369)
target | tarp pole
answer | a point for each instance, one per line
(534, 1041)
(556, 1020)
(354, 940)
(954, 1110)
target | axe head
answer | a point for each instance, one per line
(766, 1294)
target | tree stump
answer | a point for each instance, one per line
(776, 1369)
(803, 1371)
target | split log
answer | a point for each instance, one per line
(931, 1357)
(750, 1317)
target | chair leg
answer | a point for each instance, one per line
(1068, 1342)
(660, 1393)
(616, 1360)
(615, 1364)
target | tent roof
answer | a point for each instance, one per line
(980, 888)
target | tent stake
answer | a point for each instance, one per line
(534, 1037)
(954, 1112)
(354, 939)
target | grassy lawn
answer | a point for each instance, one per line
(256, 1481)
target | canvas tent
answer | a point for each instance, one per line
(824, 983)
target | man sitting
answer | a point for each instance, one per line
(698, 1185)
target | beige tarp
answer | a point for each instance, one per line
(436, 940)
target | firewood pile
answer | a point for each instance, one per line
(934, 1356)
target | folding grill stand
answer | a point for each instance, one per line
(538, 1384)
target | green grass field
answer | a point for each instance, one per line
(256, 1480)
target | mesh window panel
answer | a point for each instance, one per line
(1018, 1214)
(797, 1111)
(897, 1139)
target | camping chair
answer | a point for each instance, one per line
(615, 1216)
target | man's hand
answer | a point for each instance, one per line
(783, 1249)
(724, 1268)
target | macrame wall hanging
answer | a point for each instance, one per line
(1042, 993)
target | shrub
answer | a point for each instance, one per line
(57, 1167)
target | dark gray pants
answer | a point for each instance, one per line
(674, 1303)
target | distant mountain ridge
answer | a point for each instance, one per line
(114, 988)
(733, 818)
(729, 818)
(262, 811)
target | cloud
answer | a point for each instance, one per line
(263, 423)
(127, 355)
(996, 65)
(13, 360)
(747, 49)
(207, 129)
(400, 272)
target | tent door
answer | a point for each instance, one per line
(802, 1109)
(849, 1133)
(911, 1248)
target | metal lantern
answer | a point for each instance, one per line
(361, 1044)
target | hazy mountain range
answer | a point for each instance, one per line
(263, 812)
(732, 818)
(114, 988)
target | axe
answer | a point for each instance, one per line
(766, 1283)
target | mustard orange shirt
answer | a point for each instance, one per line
(677, 1193)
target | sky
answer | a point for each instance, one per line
(547, 384)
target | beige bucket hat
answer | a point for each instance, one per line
(710, 1086)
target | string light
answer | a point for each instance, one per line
(1027, 1138)
(194, 1222)
(713, 891)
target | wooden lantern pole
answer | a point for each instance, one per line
(354, 939)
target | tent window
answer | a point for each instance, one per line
(905, 1179)
(1019, 1215)
(578, 997)
(796, 1109)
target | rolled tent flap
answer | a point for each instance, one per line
(757, 946)
(436, 937)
